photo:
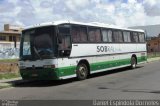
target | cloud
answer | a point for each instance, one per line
(119, 12)
(152, 7)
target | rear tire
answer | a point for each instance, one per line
(133, 63)
(82, 71)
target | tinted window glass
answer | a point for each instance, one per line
(94, 35)
(110, 38)
(65, 44)
(127, 36)
(75, 34)
(117, 36)
(141, 37)
(79, 34)
(106, 35)
(135, 37)
(83, 34)
(26, 44)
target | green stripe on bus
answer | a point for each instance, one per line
(108, 64)
(115, 63)
(64, 71)
(70, 70)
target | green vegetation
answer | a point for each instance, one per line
(9, 75)
(9, 60)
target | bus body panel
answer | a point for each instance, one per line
(105, 49)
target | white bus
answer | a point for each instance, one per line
(65, 49)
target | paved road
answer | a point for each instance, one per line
(140, 83)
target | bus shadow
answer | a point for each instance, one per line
(113, 71)
(39, 83)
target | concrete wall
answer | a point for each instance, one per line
(7, 50)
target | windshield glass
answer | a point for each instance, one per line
(38, 43)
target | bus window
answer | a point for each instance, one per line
(110, 38)
(135, 37)
(105, 35)
(26, 44)
(79, 34)
(83, 34)
(117, 36)
(127, 36)
(141, 37)
(75, 34)
(94, 35)
(65, 44)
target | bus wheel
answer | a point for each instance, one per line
(133, 62)
(82, 72)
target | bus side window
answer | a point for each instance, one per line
(106, 35)
(141, 37)
(79, 34)
(98, 35)
(117, 36)
(94, 35)
(135, 37)
(75, 34)
(127, 36)
(83, 34)
(110, 38)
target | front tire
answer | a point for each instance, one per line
(82, 72)
(133, 63)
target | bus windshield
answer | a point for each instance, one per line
(38, 43)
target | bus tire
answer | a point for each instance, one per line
(133, 63)
(82, 71)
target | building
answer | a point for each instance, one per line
(10, 34)
(152, 36)
(153, 44)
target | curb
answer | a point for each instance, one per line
(5, 85)
(11, 82)
(153, 59)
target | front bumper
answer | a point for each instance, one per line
(39, 74)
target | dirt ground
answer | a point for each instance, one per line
(8, 67)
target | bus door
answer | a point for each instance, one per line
(64, 41)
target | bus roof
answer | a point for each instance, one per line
(94, 24)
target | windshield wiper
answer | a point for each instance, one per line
(37, 53)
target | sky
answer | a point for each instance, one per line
(124, 13)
